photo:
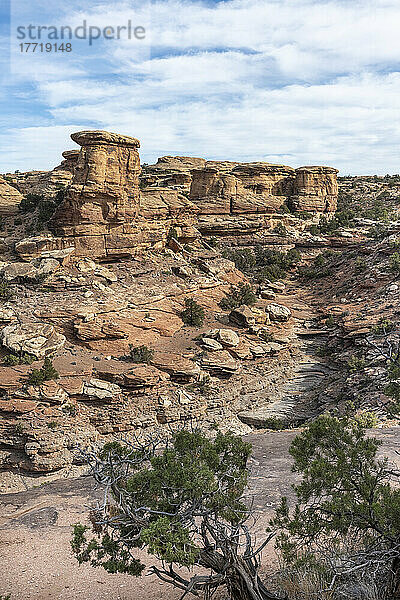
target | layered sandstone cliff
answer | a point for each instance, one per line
(113, 207)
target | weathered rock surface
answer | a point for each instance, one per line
(111, 208)
(278, 312)
(10, 198)
(39, 339)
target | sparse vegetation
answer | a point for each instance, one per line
(193, 313)
(263, 264)
(344, 529)
(6, 291)
(238, 295)
(140, 354)
(356, 364)
(45, 373)
(11, 360)
(394, 263)
(281, 230)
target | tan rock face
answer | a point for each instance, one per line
(111, 208)
(315, 189)
(10, 198)
(105, 186)
(249, 188)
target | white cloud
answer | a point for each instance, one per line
(295, 81)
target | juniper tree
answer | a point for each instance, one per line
(193, 314)
(238, 295)
(345, 525)
(184, 504)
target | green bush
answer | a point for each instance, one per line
(280, 230)
(242, 294)
(394, 263)
(6, 291)
(193, 314)
(356, 364)
(45, 373)
(262, 264)
(11, 360)
(141, 354)
(383, 326)
(30, 202)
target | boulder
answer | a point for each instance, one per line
(211, 345)
(220, 363)
(101, 390)
(278, 312)
(179, 368)
(242, 316)
(144, 376)
(38, 339)
(16, 271)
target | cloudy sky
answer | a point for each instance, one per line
(286, 81)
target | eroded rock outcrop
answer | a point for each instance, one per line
(112, 208)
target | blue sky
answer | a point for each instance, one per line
(286, 81)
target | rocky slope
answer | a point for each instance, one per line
(152, 233)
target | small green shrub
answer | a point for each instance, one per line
(242, 294)
(193, 314)
(6, 291)
(383, 326)
(172, 234)
(11, 360)
(45, 373)
(141, 354)
(262, 263)
(281, 230)
(356, 364)
(30, 202)
(360, 265)
(394, 263)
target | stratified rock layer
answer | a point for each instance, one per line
(111, 208)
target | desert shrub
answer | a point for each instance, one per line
(173, 501)
(11, 360)
(360, 265)
(281, 230)
(238, 295)
(140, 354)
(356, 364)
(344, 527)
(45, 373)
(394, 263)
(172, 234)
(303, 215)
(378, 232)
(379, 211)
(6, 291)
(383, 326)
(320, 267)
(263, 264)
(30, 202)
(193, 313)
(284, 209)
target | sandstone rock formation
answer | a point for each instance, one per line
(112, 208)
(10, 198)
(48, 183)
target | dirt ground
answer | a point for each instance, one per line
(35, 529)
